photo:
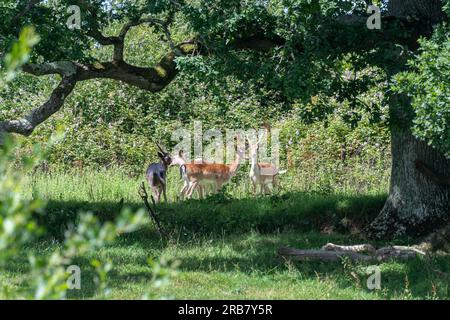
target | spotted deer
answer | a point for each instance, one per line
(262, 173)
(197, 175)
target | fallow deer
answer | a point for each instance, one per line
(157, 174)
(262, 173)
(179, 160)
(199, 174)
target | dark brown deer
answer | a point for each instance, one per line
(157, 174)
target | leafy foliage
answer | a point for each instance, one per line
(427, 85)
(19, 55)
(317, 65)
(18, 216)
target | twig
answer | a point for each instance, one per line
(152, 211)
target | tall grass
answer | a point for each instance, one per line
(114, 184)
(226, 244)
(305, 200)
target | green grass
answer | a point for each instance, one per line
(226, 245)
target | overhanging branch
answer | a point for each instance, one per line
(119, 42)
(26, 125)
(157, 77)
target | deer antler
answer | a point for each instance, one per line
(160, 148)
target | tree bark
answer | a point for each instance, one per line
(419, 200)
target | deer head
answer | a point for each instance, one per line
(178, 159)
(165, 157)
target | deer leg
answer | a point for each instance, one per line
(156, 193)
(188, 190)
(159, 196)
(184, 190)
(218, 186)
(254, 187)
(164, 194)
(201, 191)
(192, 189)
(195, 187)
(275, 182)
(198, 189)
(266, 189)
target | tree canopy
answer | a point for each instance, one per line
(293, 49)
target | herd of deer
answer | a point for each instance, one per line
(197, 176)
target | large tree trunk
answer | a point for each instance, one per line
(419, 196)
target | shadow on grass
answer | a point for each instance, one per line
(250, 255)
(254, 255)
(220, 214)
(226, 235)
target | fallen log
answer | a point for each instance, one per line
(362, 252)
(320, 255)
(400, 251)
(356, 248)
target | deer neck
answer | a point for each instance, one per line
(254, 158)
(235, 165)
(164, 165)
(182, 162)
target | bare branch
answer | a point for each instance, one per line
(152, 211)
(153, 79)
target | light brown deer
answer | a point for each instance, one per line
(196, 175)
(262, 173)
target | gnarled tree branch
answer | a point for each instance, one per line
(119, 42)
(153, 79)
(26, 125)
(157, 77)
